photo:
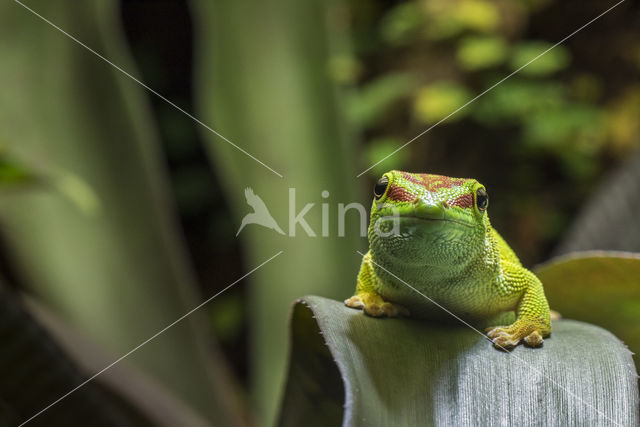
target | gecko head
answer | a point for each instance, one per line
(424, 219)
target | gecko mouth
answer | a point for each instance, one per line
(422, 218)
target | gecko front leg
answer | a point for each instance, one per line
(533, 321)
(367, 299)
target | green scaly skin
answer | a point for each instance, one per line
(432, 233)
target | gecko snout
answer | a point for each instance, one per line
(428, 209)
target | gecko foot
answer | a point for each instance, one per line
(373, 305)
(507, 337)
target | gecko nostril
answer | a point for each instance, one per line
(445, 204)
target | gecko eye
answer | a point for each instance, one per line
(482, 199)
(381, 187)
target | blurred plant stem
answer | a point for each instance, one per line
(263, 82)
(120, 272)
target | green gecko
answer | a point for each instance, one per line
(432, 233)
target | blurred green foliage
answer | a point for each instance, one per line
(479, 52)
(374, 99)
(564, 115)
(436, 101)
(379, 148)
(535, 58)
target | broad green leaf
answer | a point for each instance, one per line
(540, 59)
(146, 399)
(438, 100)
(244, 89)
(121, 275)
(77, 191)
(349, 368)
(35, 372)
(599, 287)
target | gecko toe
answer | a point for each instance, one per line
(534, 339)
(505, 342)
(394, 310)
(374, 310)
(354, 302)
(495, 332)
(373, 305)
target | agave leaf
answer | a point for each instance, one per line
(35, 372)
(121, 273)
(350, 368)
(240, 82)
(148, 398)
(597, 287)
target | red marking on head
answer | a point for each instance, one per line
(415, 178)
(432, 182)
(464, 201)
(399, 194)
